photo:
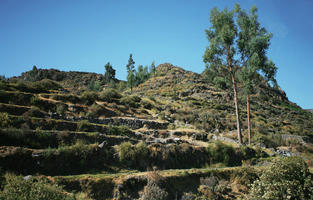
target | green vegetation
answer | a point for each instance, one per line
(17, 187)
(131, 72)
(131, 101)
(286, 178)
(172, 135)
(110, 95)
(109, 76)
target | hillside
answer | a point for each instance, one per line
(176, 128)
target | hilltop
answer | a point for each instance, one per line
(102, 143)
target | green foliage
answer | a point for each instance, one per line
(146, 104)
(5, 120)
(131, 72)
(35, 101)
(89, 97)
(220, 152)
(131, 101)
(217, 76)
(94, 85)
(96, 111)
(41, 86)
(66, 97)
(45, 85)
(83, 125)
(109, 74)
(133, 155)
(32, 75)
(34, 112)
(119, 130)
(286, 178)
(79, 149)
(110, 95)
(18, 188)
(61, 108)
(141, 75)
(152, 69)
(26, 138)
(245, 176)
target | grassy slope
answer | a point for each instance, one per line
(195, 110)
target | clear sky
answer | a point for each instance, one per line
(81, 35)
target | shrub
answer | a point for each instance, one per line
(220, 152)
(119, 130)
(110, 95)
(68, 97)
(89, 97)
(61, 108)
(35, 100)
(133, 155)
(83, 125)
(4, 119)
(286, 178)
(79, 149)
(34, 112)
(132, 101)
(21, 86)
(146, 104)
(95, 111)
(44, 85)
(18, 188)
(245, 176)
(152, 190)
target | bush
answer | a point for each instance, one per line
(152, 190)
(220, 152)
(83, 125)
(61, 108)
(89, 97)
(96, 111)
(132, 101)
(4, 120)
(286, 178)
(119, 130)
(18, 188)
(68, 97)
(34, 112)
(110, 95)
(44, 85)
(35, 100)
(146, 104)
(133, 155)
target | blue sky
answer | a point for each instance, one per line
(84, 35)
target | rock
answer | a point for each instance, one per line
(34, 155)
(102, 144)
(27, 177)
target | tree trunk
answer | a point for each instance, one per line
(248, 116)
(230, 69)
(237, 109)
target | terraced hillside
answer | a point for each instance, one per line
(173, 134)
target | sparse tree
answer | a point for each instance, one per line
(253, 41)
(152, 68)
(32, 75)
(142, 74)
(109, 75)
(222, 50)
(131, 72)
(238, 44)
